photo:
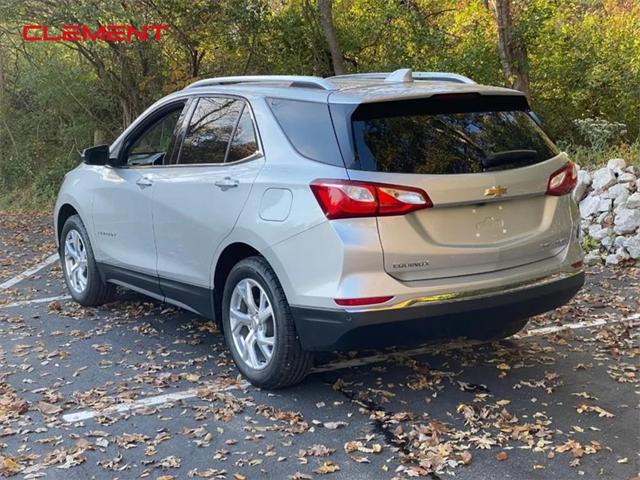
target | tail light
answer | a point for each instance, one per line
(349, 199)
(562, 181)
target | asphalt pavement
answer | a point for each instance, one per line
(140, 389)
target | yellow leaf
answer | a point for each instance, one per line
(327, 467)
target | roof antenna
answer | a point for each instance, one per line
(401, 75)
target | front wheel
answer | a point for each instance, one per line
(259, 328)
(79, 266)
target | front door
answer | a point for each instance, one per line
(197, 199)
(122, 210)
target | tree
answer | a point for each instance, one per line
(513, 54)
(326, 20)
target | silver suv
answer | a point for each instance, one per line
(308, 214)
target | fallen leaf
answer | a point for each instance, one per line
(327, 467)
(9, 467)
(48, 408)
(501, 456)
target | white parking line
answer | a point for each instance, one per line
(149, 402)
(35, 300)
(27, 273)
(574, 326)
(536, 332)
(356, 362)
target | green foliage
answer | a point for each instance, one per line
(589, 157)
(589, 243)
(600, 132)
(583, 57)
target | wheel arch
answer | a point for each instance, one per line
(65, 211)
(232, 253)
(228, 257)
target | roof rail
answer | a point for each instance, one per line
(299, 81)
(400, 76)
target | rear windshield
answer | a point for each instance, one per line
(465, 135)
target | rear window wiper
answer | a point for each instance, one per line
(508, 156)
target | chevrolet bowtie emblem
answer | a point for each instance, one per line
(495, 191)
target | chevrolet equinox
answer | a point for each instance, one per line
(308, 214)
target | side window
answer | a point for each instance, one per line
(156, 142)
(309, 128)
(244, 143)
(210, 130)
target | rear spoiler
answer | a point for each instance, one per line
(442, 103)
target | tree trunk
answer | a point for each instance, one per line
(513, 54)
(326, 20)
(99, 137)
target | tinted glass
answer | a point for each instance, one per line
(308, 127)
(210, 130)
(244, 143)
(447, 143)
(154, 144)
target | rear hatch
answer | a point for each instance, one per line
(485, 165)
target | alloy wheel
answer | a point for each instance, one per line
(75, 260)
(252, 322)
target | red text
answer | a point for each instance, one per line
(82, 33)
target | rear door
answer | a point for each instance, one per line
(198, 197)
(485, 165)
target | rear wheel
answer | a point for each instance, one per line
(79, 266)
(259, 328)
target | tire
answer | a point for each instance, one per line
(96, 291)
(288, 363)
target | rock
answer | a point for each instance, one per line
(600, 233)
(589, 206)
(603, 179)
(632, 244)
(626, 177)
(616, 163)
(607, 242)
(619, 241)
(622, 254)
(612, 259)
(602, 217)
(604, 205)
(616, 190)
(592, 258)
(627, 220)
(621, 199)
(584, 180)
(638, 184)
(633, 201)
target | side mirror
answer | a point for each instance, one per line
(98, 155)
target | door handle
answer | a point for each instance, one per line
(144, 182)
(227, 182)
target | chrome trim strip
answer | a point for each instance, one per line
(473, 294)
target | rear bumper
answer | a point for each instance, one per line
(435, 316)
